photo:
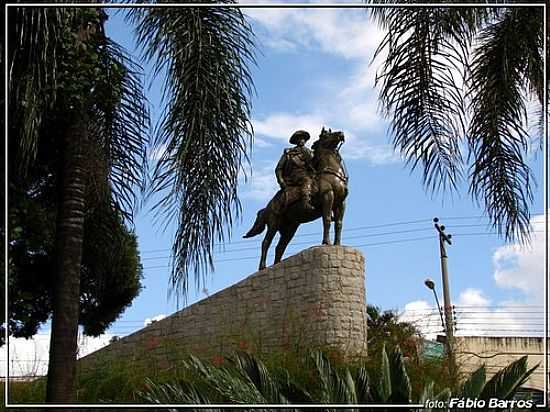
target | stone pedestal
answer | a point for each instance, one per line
(314, 299)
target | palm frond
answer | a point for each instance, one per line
(506, 381)
(205, 131)
(34, 36)
(473, 386)
(174, 393)
(497, 133)
(401, 384)
(119, 125)
(419, 92)
(384, 389)
(334, 388)
(227, 384)
(260, 377)
(292, 390)
(428, 49)
(362, 386)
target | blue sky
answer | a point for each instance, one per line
(314, 69)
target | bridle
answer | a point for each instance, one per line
(344, 177)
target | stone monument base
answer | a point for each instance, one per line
(314, 299)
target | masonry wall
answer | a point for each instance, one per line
(315, 298)
(497, 352)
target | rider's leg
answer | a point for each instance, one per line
(306, 194)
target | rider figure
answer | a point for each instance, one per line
(295, 167)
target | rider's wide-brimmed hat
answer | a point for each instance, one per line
(299, 134)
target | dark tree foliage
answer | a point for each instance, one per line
(110, 271)
(385, 329)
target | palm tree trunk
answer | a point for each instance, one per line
(66, 295)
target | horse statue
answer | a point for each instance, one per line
(328, 200)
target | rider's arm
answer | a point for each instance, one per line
(279, 170)
(309, 158)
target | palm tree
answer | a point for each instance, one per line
(62, 65)
(458, 80)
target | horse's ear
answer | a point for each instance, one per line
(323, 130)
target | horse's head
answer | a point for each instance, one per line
(330, 140)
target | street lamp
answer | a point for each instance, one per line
(430, 284)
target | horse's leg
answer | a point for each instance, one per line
(338, 216)
(287, 233)
(327, 201)
(265, 245)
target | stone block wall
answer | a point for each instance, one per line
(495, 352)
(315, 298)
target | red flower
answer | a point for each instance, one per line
(218, 360)
(152, 342)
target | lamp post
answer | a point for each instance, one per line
(431, 285)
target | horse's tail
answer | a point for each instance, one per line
(259, 225)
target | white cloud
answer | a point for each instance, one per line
(281, 125)
(261, 185)
(476, 315)
(424, 316)
(29, 357)
(361, 148)
(472, 297)
(352, 100)
(522, 267)
(345, 33)
(148, 321)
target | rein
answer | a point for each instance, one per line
(329, 170)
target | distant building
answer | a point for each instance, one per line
(497, 352)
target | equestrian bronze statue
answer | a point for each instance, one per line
(313, 185)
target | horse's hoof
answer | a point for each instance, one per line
(262, 267)
(327, 243)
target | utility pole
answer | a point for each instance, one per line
(448, 308)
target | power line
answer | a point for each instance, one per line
(357, 246)
(345, 230)
(257, 257)
(304, 243)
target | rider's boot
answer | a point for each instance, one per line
(306, 200)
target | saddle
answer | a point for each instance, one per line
(285, 198)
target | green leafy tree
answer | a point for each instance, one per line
(455, 84)
(386, 330)
(110, 270)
